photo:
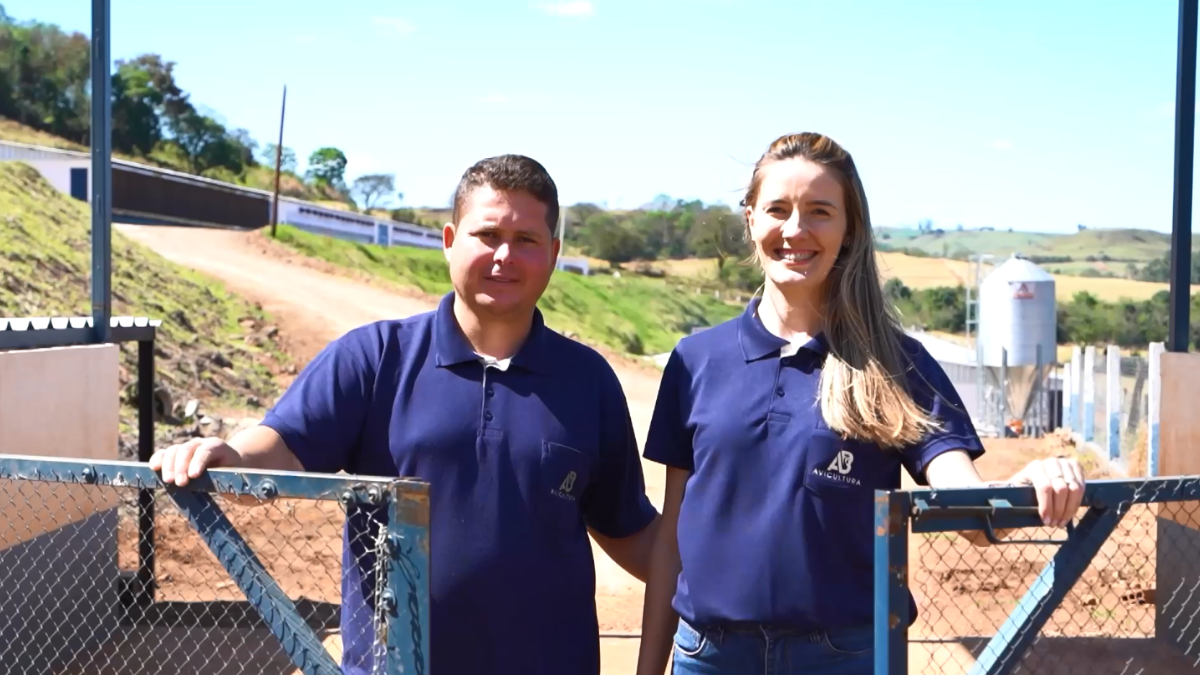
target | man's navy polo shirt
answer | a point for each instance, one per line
(777, 521)
(518, 459)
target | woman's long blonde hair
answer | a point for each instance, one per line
(864, 390)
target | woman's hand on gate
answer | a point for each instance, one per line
(1059, 484)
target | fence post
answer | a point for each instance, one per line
(1077, 389)
(891, 582)
(146, 585)
(1003, 422)
(1068, 405)
(407, 593)
(1089, 394)
(1040, 399)
(1112, 401)
(1152, 434)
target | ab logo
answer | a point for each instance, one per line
(842, 462)
(568, 483)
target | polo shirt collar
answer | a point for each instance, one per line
(452, 347)
(757, 342)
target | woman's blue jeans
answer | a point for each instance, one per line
(753, 650)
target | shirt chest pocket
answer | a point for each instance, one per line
(563, 479)
(839, 469)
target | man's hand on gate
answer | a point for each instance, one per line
(185, 461)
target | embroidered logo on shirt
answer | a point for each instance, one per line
(839, 469)
(564, 489)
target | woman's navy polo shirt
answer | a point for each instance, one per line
(519, 458)
(777, 520)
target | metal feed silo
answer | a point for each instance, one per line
(1016, 316)
(1017, 313)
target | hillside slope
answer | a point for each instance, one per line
(212, 345)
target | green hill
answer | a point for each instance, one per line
(1117, 245)
(630, 313)
(213, 346)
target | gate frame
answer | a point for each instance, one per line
(405, 544)
(988, 509)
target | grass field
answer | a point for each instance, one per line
(632, 314)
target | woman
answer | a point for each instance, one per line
(777, 426)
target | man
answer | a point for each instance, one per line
(524, 435)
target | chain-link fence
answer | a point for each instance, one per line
(283, 573)
(1117, 593)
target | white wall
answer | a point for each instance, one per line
(57, 172)
(576, 264)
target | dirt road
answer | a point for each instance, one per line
(313, 305)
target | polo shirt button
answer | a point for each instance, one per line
(487, 416)
(489, 391)
(779, 392)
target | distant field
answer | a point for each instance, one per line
(917, 272)
(1117, 244)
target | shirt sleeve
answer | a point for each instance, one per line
(320, 416)
(615, 504)
(669, 440)
(933, 391)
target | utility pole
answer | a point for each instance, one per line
(278, 164)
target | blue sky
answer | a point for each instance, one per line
(1022, 114)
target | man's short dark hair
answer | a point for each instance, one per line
(510, 173)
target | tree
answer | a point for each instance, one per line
(373, 189)
(135, 109)
(327, 166)
(718, 234)
(44, 72)
(287, 162)
(200, 138)
(611, 240)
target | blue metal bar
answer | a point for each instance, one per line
(277, 611)
(1006, 648)
(100, 136)
(1181, 212)
(942, 509)
(260, 483)
(146, 578)
(891, 582)
(406, 597)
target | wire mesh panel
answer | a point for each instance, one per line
(251, 582)
(1095, 601)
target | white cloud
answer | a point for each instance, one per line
(567, 8)
(393, 26)
(1002, 144)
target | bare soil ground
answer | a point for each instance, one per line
(964, 593)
